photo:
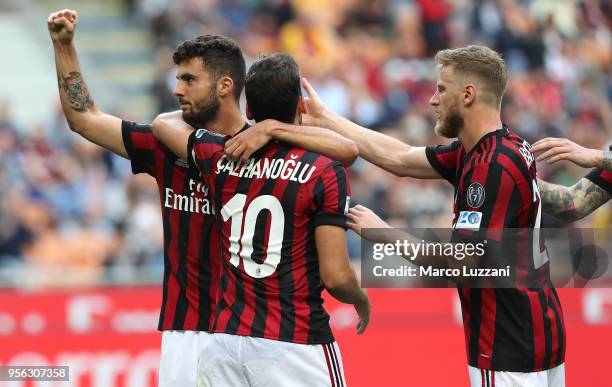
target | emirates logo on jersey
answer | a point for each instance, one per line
(475, 195)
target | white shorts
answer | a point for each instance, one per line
(554, 377)
(180, 351)
(234, 361)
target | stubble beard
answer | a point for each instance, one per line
(203, 111)
(452, 124)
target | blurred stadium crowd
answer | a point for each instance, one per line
(65, 203)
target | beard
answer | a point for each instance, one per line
(452, 124)
(203, 111)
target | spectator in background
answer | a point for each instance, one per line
(371, 62)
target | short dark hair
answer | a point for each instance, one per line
(273, 88)
(220, 54)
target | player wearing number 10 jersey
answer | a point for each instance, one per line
(282, 217)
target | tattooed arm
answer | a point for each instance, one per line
(572, 203)
(606, 160)
(79, 108)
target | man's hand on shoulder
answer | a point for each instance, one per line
(556, 149)
(243, 145)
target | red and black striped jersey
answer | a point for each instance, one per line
(191, 238)
(601, 177)
(269, 207)
(506, 329)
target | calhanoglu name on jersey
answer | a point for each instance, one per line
(289, 169)
(430, 271)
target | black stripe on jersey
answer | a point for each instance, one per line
(560, 332)
(167, 182)
(519, 162)
(432, 157)
(547, 328)
(468, 164)
(206, 275)
(336, 218)
(181, 273)
(513, 330)
(475, 299)
(238, 305)
(511, 221)
(261, 303)
(483, 149)
(285, 277)
(319, 330)
(560, 327)
(221, 304)
(126, 130)
(138, 157)
(491, 186)
(217, 196)
(342, 185)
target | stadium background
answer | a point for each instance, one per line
(80, 236)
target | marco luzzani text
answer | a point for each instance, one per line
(412, 251)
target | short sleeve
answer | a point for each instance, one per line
(602, 178)
(201, 148)
(141, 145)
(332, 195)
(444, 159)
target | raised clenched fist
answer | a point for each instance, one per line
(61, 25)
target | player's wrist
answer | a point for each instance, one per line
(62, 46)
(275, 129)
(326, 118)
(598, 158)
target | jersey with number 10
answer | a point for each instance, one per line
(269, 207)
(507, 329)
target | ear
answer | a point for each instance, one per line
(300, 109)
(225, 86)
(301, 106)
(249, 114)
(469, 94)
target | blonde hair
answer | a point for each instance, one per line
(484, 65)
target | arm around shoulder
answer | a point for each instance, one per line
(170, 129)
